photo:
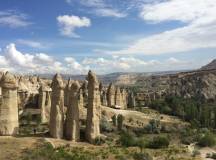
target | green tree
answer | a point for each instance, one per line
(120, 120)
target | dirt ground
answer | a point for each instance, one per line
(11, 148)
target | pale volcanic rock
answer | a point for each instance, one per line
(44, 103)
(118, 98)
(57, 107)
(111, 95)
(9, 123)
(93, 110)
(72, 117)
(124, 98)
(67, 91)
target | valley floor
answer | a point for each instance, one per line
(14, 148)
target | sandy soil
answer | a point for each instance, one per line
(11, 148)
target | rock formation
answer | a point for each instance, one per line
(124, 98)
(44, 103)
(67, 92)
(93, 110)
(104, 98)
(57, 107)
(131, 100)
(118, 98)
(81, 99)
(72, 118)
(111, 95)
(9, 123)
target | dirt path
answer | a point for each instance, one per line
(204, 151)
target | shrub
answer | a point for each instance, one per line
(105, 125)
(114, 120)
(158, 142)
(154, 126)
(207, 140)
(120, 120)
(99, 141)
(141, 143)
(142, 156)
(127, 139)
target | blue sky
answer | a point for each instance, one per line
(73, 36)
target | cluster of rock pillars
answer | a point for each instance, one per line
(52, 104)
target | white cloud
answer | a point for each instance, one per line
(75, 67)
(107, 12)
(13, 19)
(44, 58)
(101, 8)
(30, 43)
(17, 58)
(14, 60)
(198, 32)
(132, 64)
(69, 23)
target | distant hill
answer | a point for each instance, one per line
(210, 66)
(119, 78)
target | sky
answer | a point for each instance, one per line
(73, 36)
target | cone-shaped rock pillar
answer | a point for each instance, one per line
(72, 118)
(9, 123)
(44, 103)
(93, 110)
(57, 107)
(111, 95)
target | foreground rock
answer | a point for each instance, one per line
(57, 108)
(9, 107)
(93, 110)
(72, 118)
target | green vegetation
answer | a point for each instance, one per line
(207, 140)
(200, 114)
(105, 125)
(120, 120)
(158, 142)
(128, 139)
(46, 151)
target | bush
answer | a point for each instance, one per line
(142, 156)
(127, 139)
(141, 143)
(114, 120)
(207, 140)
(158, 142)
(120, 120)
(105, 125)
(99, 141)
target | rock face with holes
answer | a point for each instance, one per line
(111, 95)
(44, 103)
(72, 118)
(93, 110)
(57, 107)
(9, 123)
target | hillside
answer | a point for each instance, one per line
(210, 66)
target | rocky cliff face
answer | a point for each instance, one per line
(199, 84)
(210, 66)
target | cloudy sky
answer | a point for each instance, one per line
(73, 36)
